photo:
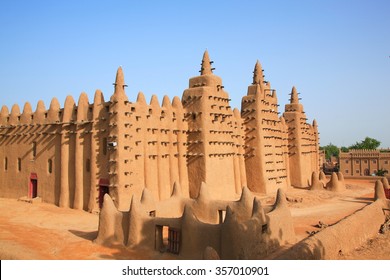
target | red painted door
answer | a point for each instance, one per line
(33, 188)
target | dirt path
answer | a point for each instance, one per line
(43, 231)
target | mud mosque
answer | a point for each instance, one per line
(185, 177)
(72, 156)
(187, 168)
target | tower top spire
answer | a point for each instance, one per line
(206, 64)
(119, 86)
(294, 96)
(258, 74)
(120, 79)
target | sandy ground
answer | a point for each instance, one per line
(44, 231)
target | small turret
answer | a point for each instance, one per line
(39, 115)
(68, 109)
(166, 103)
(15, 113)
(141, 99)
(27, 112)
(4, 114)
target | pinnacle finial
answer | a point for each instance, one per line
(206, 64)
(258, 74)
(294, 96)
(119, 80)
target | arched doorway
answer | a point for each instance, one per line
(366, 172)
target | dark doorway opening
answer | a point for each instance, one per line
(367, 172)
(167, 239)
(33, 188)
(103, 189)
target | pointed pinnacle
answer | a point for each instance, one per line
(206, 64)
(258, 74)
(119, 80)
(294, 96)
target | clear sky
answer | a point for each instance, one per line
(336, 53)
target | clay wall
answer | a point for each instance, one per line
(246, 232)
(342, 237)
(47, 142)
(29, 140)
(150, 146)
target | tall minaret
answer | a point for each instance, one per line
(302, 142)
(117, 141)
(210, 144)
(264, 137)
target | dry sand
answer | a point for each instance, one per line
(44, 231)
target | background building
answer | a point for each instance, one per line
(364, 162)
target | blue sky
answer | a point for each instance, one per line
(335, 52)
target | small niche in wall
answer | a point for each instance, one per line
(34, 149)
(264, 228)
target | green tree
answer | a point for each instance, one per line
(367, 143)
(330, 150)
(344, 149)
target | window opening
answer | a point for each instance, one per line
(34, 149)
(50, 166)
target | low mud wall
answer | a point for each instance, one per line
(342, 237)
